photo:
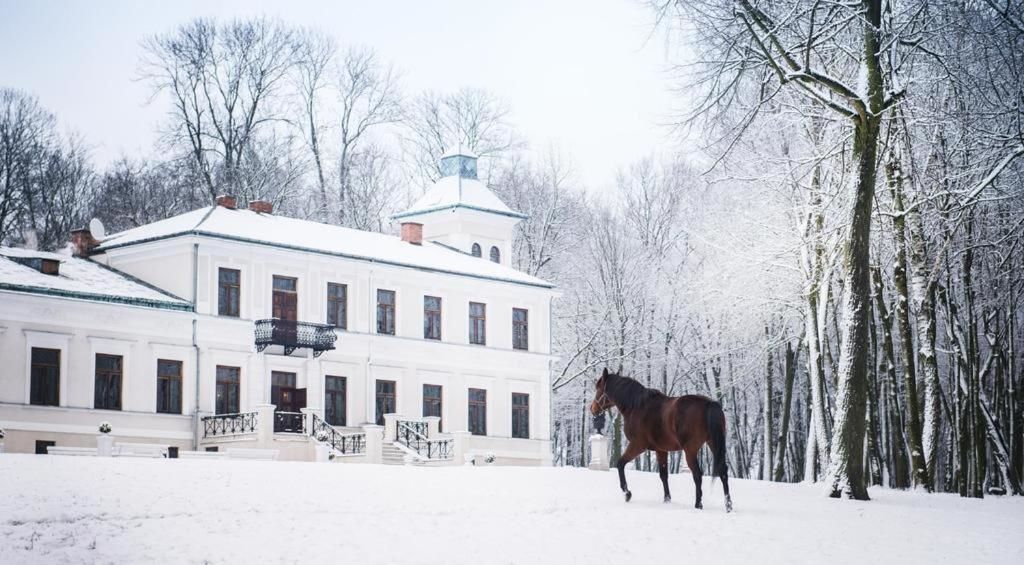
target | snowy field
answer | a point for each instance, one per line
(70, 509)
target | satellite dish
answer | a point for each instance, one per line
(97, 229)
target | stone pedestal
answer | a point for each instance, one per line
(460, 447)
(265, 425)
(433, 423)
(391, 426)
(374, 443)
(598, 453)
(104, 445)
(323, 453)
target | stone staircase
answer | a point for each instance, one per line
(393, 455)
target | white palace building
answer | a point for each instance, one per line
(228, 329)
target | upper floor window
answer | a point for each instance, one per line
(386, 312)
(228, 390)
(431, 317)
(520, 415)
(495, 254)
(168, 386)
(45, 377)
(109, 371)
(478, 411)
(285, 298)
(477, 323)
(229, 283)
(476, 250)
(520, 328)
(337, 305)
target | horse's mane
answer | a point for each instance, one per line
(628, 393)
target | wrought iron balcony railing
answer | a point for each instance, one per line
(229, 424)
(346, 444)
(294, 335)
(289, 423)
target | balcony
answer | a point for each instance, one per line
(292, 335)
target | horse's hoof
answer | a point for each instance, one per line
(698, 506)
(668, 499)
(728, 505)
(629, 495)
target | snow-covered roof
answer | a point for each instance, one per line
(81, 278)
(459, 192)
(458, 150)
(305, 235)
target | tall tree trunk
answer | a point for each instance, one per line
(894, 175)
(787, 399)
(846, 468)
(769, 416)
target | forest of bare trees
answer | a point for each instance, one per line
(841, 263)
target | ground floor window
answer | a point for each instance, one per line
(109, 372)
(45, 377)
(478, 411)
(335, 391)
(432, 402)
(42, 446)
(520, 415)
(385, 400)
(168, 386)
(228, 390)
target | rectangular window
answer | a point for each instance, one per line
(45, 377)
(337, 305)
(520, 329)
(520, 415)
(335, 401)
(229, 285)
(478, 411)
(285, 299)
(432, 402)
(168, 386)
(385, 400)
(477, 323)
(228, 390)
(431, 317)
(109, 370)
(386, 312)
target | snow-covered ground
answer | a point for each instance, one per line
(81, 509)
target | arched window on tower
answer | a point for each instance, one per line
(495, 254)
(476, 250)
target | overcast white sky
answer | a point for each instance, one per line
(584, 76)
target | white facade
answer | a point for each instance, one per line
(183, 256)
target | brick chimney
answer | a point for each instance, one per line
(228, 201)
(83, 242)
(261, 206)
(412, 233)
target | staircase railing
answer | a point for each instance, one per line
(346, 444)
(230, 424)
(413, 435)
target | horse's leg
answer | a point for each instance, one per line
(631, 453)
(663, 473)
(694, 464)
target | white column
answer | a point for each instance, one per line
(598, 453)
(391, 426)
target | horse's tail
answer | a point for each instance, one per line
(716, 437)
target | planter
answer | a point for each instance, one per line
(104, 445)
(323, 453)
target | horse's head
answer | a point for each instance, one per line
(601, 401)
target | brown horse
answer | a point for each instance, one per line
(663, 424)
